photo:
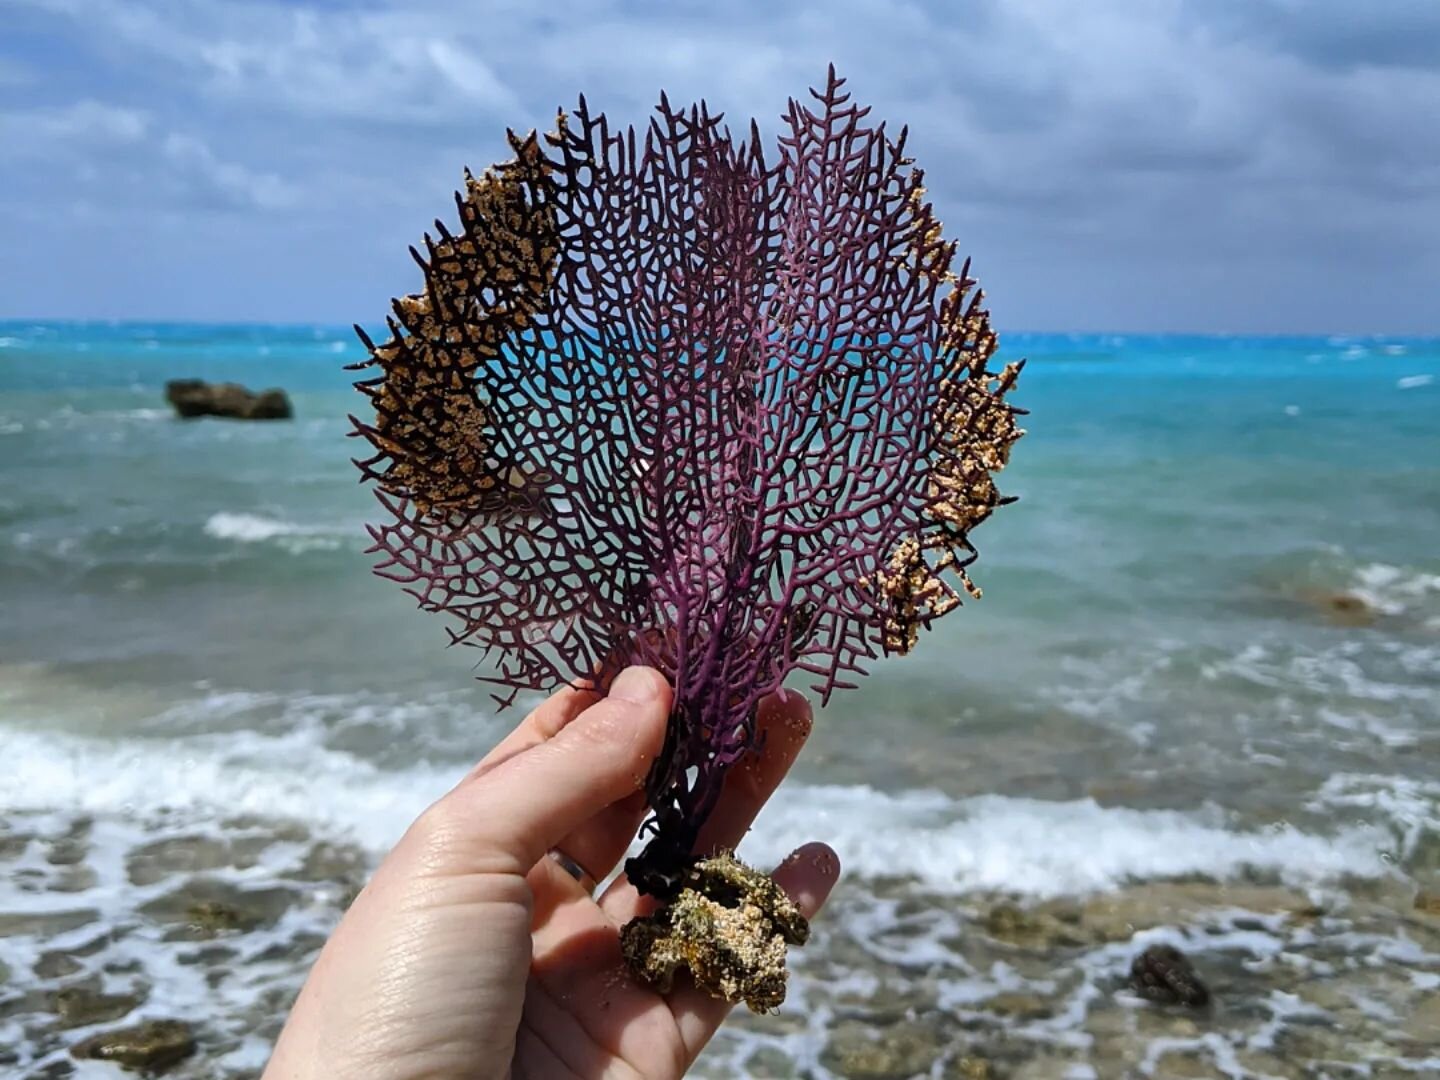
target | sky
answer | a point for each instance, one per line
(1243, 166)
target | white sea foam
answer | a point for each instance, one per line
(1392, 589)
(1410, 806)
(1042, 848)
(1411, 382)
(254, 529)
(1025, 846)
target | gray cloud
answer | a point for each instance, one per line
(1144, 164)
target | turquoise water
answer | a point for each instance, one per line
(1210, 640)
(1182, 499)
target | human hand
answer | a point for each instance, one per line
(472, 954)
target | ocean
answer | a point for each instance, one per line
(1198, 705)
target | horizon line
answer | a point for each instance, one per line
(1001, 333)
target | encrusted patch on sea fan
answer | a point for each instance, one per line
(664, 402)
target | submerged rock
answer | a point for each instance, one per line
(161, 859)
(152, 1046)
(81, 1006)
(1347, 608)
(1162, 973)
(1036, 930)
(205, 908)
(728, 927)
(44, 924)
(895, 1052)
(193, 398)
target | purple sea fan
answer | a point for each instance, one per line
(664, 402)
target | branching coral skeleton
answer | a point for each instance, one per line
(665, 402)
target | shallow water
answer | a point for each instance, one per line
(1207, 661)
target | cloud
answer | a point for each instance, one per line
(90, 143)
(376, 65)
(228, 184)
(1333, 33)
(83, 124)
(1119, 163)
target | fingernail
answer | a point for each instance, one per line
(637, 685)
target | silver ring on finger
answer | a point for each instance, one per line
(574, 869)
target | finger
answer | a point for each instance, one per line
(600, 842)
(807, 877)
(543, 722)
(782, 726)
(504, 820)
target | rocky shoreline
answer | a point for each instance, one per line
(179, 950)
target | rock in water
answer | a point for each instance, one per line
(195, 397)
(1162, 973)
(152, 1046)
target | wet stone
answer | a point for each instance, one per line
(55, 964)
(887, 1003)
(202, 909)
(340, 864)
(81, 1006)
(1428, 904)
(23, 1003)
(45, 923)
(177, 855)
(67, 851)
(1018, 1006)
(968, 1067)
(73, 879)
(13, 845)
(1263, 1064)
(1163, 974)
(770, 1062)
(1183, 1066)
(860, 1051)
(300, 948)
(1424, 1022)
(152, 1046)
(209, 956)
(1029, 929)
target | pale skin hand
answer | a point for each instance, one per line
(472, 954)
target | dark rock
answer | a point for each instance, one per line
(1163, 974)
(1428, 903)
(153, 1046)
(81, 1006)
(195, 397)
(13, 845)
(1345, 608)
(203, 908)
(56, 964)
(209, 955)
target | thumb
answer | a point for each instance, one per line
(504, 820)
